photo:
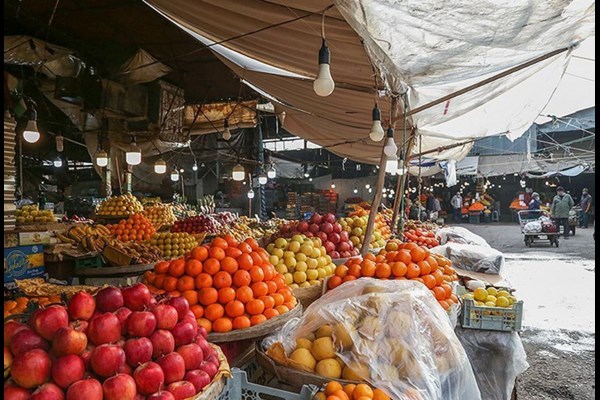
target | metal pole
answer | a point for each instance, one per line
(262, 195)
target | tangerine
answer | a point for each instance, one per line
(234, 308)
(226, 295)
(212, 265)
(229, 265)
(177, 267)
(221, 279)
(203, 280)
(193, 267)
(208, 296)
(257, 319)
(214, 312)
(241, 322)
(241, 278)
(222, 325)
(244, 294)
(199, 253)
(254, 307)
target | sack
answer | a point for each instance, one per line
(457, 234)
(472, 258)
(549, 227)
(533, 227)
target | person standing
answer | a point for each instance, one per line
(561, 205)
(534, 206)
(457, 203)
(586, 207)
(435, 209)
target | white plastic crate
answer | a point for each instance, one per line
(492, 318)
(238, 388)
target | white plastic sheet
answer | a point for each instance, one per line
(472, 257)
(458, 234)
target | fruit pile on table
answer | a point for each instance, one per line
(160, 214)
(135, 228)
(126, 204)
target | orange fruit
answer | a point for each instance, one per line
(219, 242)
(418, 254)
(272, 286)
(268, 271)
(445, 305)
(398, 268)
(206, 324)
(193, 267)
(257, 274)
(334, 282)
(412, 270)
(354, 270)
(226, 295)
(432, 263)
(241, 322)
(170, 283)
(429, 280)
(379, 394)
(177, 267)
(222, 279)
(424, 267)
(212, 265)
(340, 394)
(185, 283)
(257, 319)
(244, 248)
(174, 293)
(245, 262)
(268, 300)
(254, 307)
(214, 312)
(233, 252)
(203, 280)
(241, 278)
(349, 389)
(279, 280)
(222, 325)
(404, 256)
(198, 311)
(256, 258)
(350, 278)
(230, 240)
(282, 309)
(368, 268)
(332, 387)
(252, 243)
(159, 280)
(439, 276)
(208, 296)
(370, 257)
(341, 271)
(259, 289)
(244, 294)
(278, 299)
(447, 289)
(362, 390)
(234, 309)
(229, 265)
(271, 313)
(191, 296)
(439, 293)
(217, 253)
(383, 271)
(199, 253)
(161, 267)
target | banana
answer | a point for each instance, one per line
(64, 239)
(103, 230)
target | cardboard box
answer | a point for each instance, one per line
(33, 238)
(23, 262)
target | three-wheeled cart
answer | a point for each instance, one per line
(527, 216)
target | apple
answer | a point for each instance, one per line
(67, 370)
(81, 306)
(183, 333)
(344, 236)
(125, 369)
(303, 226)
(182, 390)
(149, 378)
(8, 357)
(69, 341)
(105, 328)
(10, 328)
(192, 355)
(330, 218)
(25, 340)
(343, 246)
(141, 324)
(326, 227)
(213, 357)
(173, 365)
(31, 369)
(314, 228)
(79, 325)
(119, 387)
(181, 305)
(162, 395)
(334, 238)
(204, 346)
(315, 219)
(122, 314)
(163, 343)
(166, 316)
(136, 297)
(202, 332)
(138, 351)
(88, 389)
(334, 254)
(49, 320)
(48, 391)
(345, 254)
(14, 392)
(210, 368)
(109, 299)
(337, 228)
(200, 379)
(140, 396)
(355, 252)
(107, 359)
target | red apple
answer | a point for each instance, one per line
(8, 357)
(31, 369)
(334, 238)
(210, 368)
(81, 306)
(49, 320)
(314, 228)
(183, 333)
(344, 236)
(10, 328)
(119, 387)
(343, 246)
(109, 299)
(125, 369)
(192, 355)
(107, 359)
(67, 370)
(213, 357)
(105, 328)
(330, 218)
(166, 316)
(204, 345)
(173, 366)
(149, 378)
(123, 313)
(25, 340)
(303, 226)
(141, 324)
(197, 378)
(14, 392)
(315, 219)
(86, 356)
(79, 325)
(162, 395)
(48, 391)
(355, 252)
(69, 341)
(181, 390)
(202, 332)
(345, 254)
(163, 343)
(326, 227)
(88, 389)
(137, 297)
(337, 228)
(334, 254)
(138, 351)
(140, 396)
(181, 305)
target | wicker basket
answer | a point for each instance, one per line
(215, 388)
(308, 295)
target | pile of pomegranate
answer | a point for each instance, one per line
(120, 345)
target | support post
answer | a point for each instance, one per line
(262, 196)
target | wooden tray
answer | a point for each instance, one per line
(306, 296)
(115, 271)
(256, 331)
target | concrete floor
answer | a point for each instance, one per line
(557, 286)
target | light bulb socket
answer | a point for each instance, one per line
(324, 54)
(226, 124)
(390, 132)
(376, 113)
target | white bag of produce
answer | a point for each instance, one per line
(472, 258)
(458, 234)
(533, 227)
(392, 334)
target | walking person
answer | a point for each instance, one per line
(586, 208)
(561, 205)
(457, 203)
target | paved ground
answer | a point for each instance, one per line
(558, 288)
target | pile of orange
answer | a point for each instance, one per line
(410, 261)
(136, 228)
(19, 305)
(422, 237)
(335, 391)
(229, 285)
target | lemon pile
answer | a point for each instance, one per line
(126, 204)
(491, 297)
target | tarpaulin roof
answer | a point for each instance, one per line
(432, 48)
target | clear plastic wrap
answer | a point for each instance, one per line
(472, 258)
(394, 335)
(458, 234)
(497, 359)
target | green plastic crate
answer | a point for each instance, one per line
(89, 262)
(492, 318)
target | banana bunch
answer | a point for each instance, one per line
(94, 242)
(207, 204)
(76, 234)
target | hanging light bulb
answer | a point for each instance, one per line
(58, 162)
(355, 190)
(333, 185)
(271, 173)
(160, 166)
(370, 190)
(238, 173)
(390, 148)
(391, 165)
(101, 158)
(31, 134)
(226, 131)
(174, 174)
(202, 165)
(310, 179)
(181, 171)
(367, 186)
(401, 170)
(250, 194)
(60, 143)
(262, 178)
(195, 166)
(377, 133)
(133, 156)
(244, 183)
(324, 84)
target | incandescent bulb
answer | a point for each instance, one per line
(195, 166)
(271, 173)
(324, 84)
(58, 162)
(390, 148)
(377, 133)
(31, 134)
(262, 179)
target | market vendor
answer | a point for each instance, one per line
(561, 205)
(586, 207)
(534, 206)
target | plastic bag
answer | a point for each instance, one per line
(497, 359)
(457, 234)
(394, 335)
(472, 258)
(533, 227)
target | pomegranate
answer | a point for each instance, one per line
(31, 369)
(107, 359)
(105, 328)
(183, 333)
(67, 370)
(123, 313)
(162, 395)
(25, 340)
(181, 390)
(173, 366)
(69, 341)
(163, 343)
(48, 391)
(81, 306)
(149, 378)
(138, 351)
(14, 392)
(10, 329)
(166, 317)
(109, 299)
(88, 389)
(141, 324)
(119, 387)
(181, 305)
(49, 320)
(192, 355)
(198, 378)
(136, 297)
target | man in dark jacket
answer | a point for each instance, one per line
(586, 208)
(561, 205)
